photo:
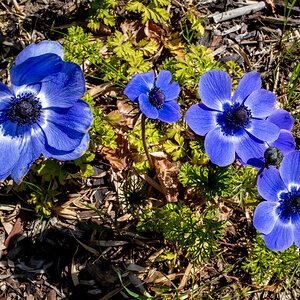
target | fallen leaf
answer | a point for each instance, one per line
(167, 176)
(119, 158)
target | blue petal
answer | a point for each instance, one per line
(10, 153)
(175, 105)
(147, 108)
(281, 237)
(282, 119)
(250, 150)
(61, 137)
(248, 84)
(64, 88)
(270, 184)
(296, 224)
(261, 103)
(68, 155)
(265, 216)
(34, 69)
(139, 84)
(5, 95)
(290, 169)
(263, 130)
(41, 48)
(285, 142)
(163, 79)
(219, 147)
(30, 149)
(215, 89)
(201, 119)
(79, 117)
(171, 91)
(168, 113)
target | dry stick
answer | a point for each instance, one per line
(234, 13)
(144, 141)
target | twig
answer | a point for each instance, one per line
(234, 13)
(18, 9)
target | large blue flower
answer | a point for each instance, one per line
(278, 218)
(43, 112)
(238, 126)
(156, 100)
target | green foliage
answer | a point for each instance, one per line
(198, 60)
(43, 199)
(51, 169)
(205, 179)
(127, 58)
(196, 234)
(188, 69)
(198, 155)
(83, 163)
(152, 11)
(267, 266)
(78, 46)
(134, 194)
(243, 185)
(101, 133)
(175, 147)
(102, 11)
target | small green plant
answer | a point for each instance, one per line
(79, 47)
(206, 180)
(102, 11)
(134, 194)
(197, 61)
(196, 234)
(43, 199)
(83, 163)
(152, 11)
(175, 144)
(101, 133)
(267, 266)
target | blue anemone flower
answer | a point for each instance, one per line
(43, 113)
(237, 126)
(278, 218)
(156, 99)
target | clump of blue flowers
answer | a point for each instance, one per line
(43, 113)
(155, 99)
(278, 218)
(241, 126)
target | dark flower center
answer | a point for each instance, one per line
(234, 117)
(25, 109)
(273, 156)
(297, 202)
(157, 97)
(239, 116)
(289, 203)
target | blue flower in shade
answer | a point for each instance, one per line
(156, 99)
(278, 218)
(43, 113)
(241, 125)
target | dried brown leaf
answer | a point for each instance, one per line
(167, 176)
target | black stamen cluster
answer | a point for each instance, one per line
(25, 109)
(290, 203)
(157, 97)
(237, 116)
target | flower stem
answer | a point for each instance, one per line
(144, 141)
